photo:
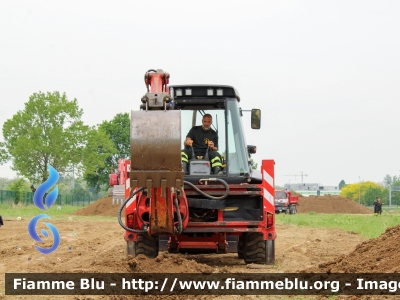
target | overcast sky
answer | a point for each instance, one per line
(326, 74)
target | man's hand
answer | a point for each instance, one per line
(211, 145)
(188, 142)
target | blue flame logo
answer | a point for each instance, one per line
(38, 201)
(44, 187)
(35, 236)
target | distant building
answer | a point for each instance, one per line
(307, 189)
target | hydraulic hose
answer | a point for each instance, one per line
(178, 213)
(207, 195)
(180, 224)
(120, 211)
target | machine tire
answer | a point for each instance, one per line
(146, 245)
(292, 209)
(254, 249)
(257, 250)
(240, 246)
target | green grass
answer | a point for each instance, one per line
(28, 212)
(368, 226)
(385, 208)
(22, 211)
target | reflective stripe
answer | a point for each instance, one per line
(185, 157)
(214, 159)
(217, 164)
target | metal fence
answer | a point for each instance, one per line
(26, 198)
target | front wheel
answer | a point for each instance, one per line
(146, 245)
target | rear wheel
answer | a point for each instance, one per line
(146, 245)
(292, 209)
(257, 250)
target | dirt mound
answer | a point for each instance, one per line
(101, 207)
(92, 246)
(329, 204)
(379, 255)
(169, 263)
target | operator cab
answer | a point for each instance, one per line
(222, 103)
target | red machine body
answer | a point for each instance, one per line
(121, 176)
(113, 179)
(165, 210)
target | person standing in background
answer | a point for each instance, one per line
(379, 206)
(375, 205)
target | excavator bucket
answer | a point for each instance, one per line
(156, 162)
(155, 148)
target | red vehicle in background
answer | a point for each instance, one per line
(285, 202)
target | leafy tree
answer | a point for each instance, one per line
(80, 190)
(342, 184)
(388, 180)
(4, 182)
(372, 192)
(118, 131)
(19, 186)
(395, 195)
(357, 191)
(253, 164)
(48, 131)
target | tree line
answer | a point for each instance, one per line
(50, 130)
(365, 192)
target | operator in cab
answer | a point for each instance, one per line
(202, 138)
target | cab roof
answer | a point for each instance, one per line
(203, 91)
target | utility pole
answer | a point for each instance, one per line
(302, 175)
(73, 177)
(392, 189)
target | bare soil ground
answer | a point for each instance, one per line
(89, 246)
(330, 204)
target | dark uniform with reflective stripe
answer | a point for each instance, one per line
(200, 139)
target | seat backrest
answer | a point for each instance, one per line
(200, 167)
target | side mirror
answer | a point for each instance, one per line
(256, 118)
(251, 149)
